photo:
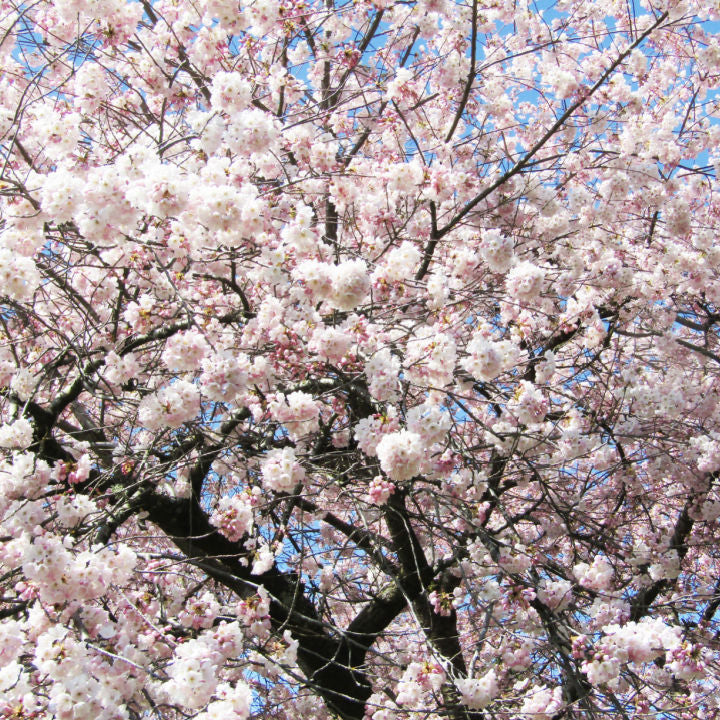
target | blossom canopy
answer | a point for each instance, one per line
(359, 360)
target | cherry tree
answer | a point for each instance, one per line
(359, 360)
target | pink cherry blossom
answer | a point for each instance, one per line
(359, 360)
(401, 454)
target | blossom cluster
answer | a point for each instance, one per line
(233, 517)
(344, 286)
(634, 642)
(281, 471)
(401, 455)
(171, 406)
(478, 692)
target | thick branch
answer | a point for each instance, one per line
(324, 660)
(415, 579)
